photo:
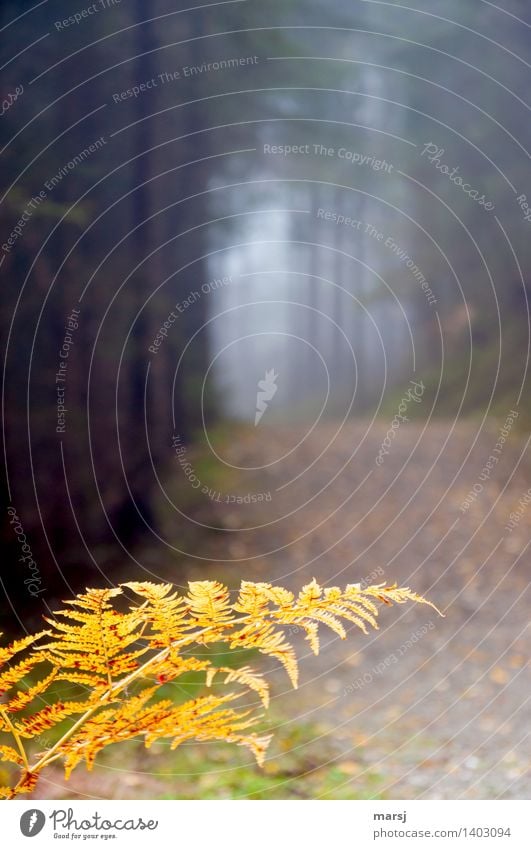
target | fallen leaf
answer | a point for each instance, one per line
(349, 767)
(499, 675)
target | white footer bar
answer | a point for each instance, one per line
(267, 824)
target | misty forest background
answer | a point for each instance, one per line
(319, 205)
(181, 193)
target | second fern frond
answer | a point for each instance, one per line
(120, 657)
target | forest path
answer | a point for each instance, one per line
(425, 707)
(439, 708)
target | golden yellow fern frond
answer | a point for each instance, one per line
(95, 600)
(98, 645)
(119, 658)
(203, 719)
(393, 594)
(13, 674)
(281, 597)
(85, 679)
(253, 599)
(198, 719)
(209, 604)
(164, 613)
(246, 676)
(23, 698)
(7, 652)
(315, 606)
(267, 640)
(7, 753)
(17, 672)
(47, 717)
(112, 725)
(168, 668)
(27, 784)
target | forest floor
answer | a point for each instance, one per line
(425, 707)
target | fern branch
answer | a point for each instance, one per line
(106, 698)
(97, 644)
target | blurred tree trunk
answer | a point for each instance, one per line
(143, 240)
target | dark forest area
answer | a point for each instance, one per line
(109, 171)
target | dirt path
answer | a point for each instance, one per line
(425, 707)
(438, 707)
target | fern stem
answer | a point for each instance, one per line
(137, 673)
(54, 753)
(16, 738)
